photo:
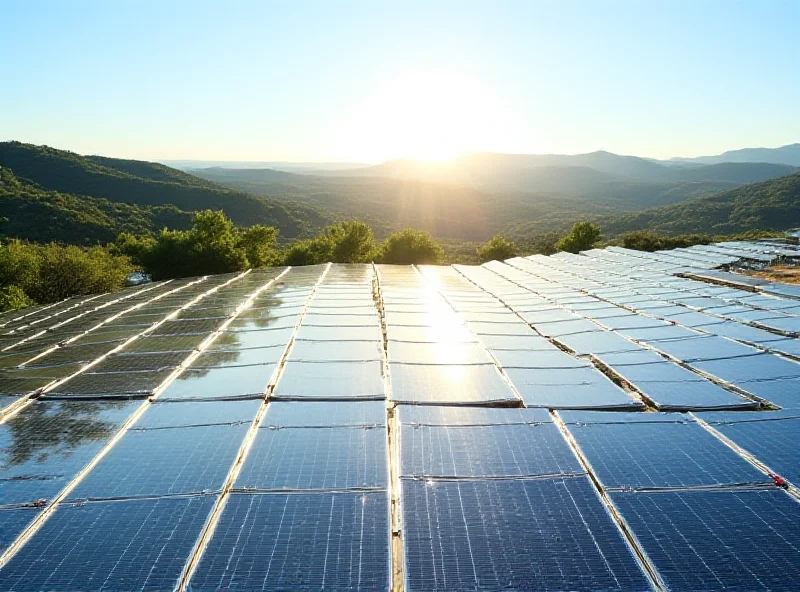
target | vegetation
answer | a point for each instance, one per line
(411, 246)
(47, 273)
(148, 185)
(212, 245)
(772, 205)
(497, 249)
(583, 236)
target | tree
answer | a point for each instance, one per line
(12, 298)
(497, 249)
(352, 242)
(410, 246)
(258, 244)
(583, 236)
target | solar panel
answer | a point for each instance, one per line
(518, 534)
(155, 462)
(48, 443)
(596, 342)
(554, 358)
(13, 522)
(579, 388)
(485, 451)
(717, 540)
(249, 339)
(648, 454)
(462, 415)
(333, 380)
(707, 347)
(692, 395)
(189, 413)
(120, 545)
(239, 357)
(332, 351)
(449, 384)
(769, 436)
(309, 414)
(316, 458)
(438, 353)
(335, 541)
(220, 383)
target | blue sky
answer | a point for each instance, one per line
(367, 81)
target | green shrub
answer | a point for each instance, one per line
(497, 249)
(583, 236)
(410, 246)
(12, 298)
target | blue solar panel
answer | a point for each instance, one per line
(220, 383)
(597, 342)
(318, 541)
(334, 380)
(438, 353)
(708, 347)
(694, 394)
(539, 359)
(316, 458)
(646, 455)
(485, 451)
(538, 534)
(47, 444)
(128, 545)
(761, 367)
(769, 436)
(456, 384)
(13, 522)
(463, 415)
(718, 540)
(311, 414)
(189, 413)
(164, 462)
(579, 388)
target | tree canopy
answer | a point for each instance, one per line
(497, 249)
(583, 236)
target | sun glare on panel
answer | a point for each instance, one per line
(423, 115)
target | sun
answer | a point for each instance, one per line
(421, 114)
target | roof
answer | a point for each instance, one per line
(614, 420)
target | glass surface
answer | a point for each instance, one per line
(316, 458)
(324, 414)
(333, 380)
(305, 542)
(717, 540)
(220, 383)
(536, 534)
(464, 384)
(120, 545)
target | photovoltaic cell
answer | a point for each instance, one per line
(304, 542)
(343, 351)
(717, 540)
(286, 414)
(333, 380)
(49, 442)
(769, 436)
(13, 522)
(164, 462)
(463, 415)
(449, 384)
(120, 545)
(438, 353)
(239, 357)
(228, 382)
(485, 451)
(646, 455)
(316, 458)
(578, 388)
(517, 534)
(163, 414)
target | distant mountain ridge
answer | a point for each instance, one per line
(787, 155)
(149, 185)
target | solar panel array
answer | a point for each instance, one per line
(614, 420)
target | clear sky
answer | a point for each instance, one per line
(372, 80)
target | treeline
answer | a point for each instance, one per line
(35, 273)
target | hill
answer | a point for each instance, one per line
(149, 185)
(769, 205)
(30, 212)
(786, 155)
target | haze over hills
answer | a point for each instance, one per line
(789, 154)
(56, 194)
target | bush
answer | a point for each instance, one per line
(583, 236)
(497, 249)
(48, 273)
(344, 242)
(410, 246)
(12, 298)
(645, 240)
(212, 245)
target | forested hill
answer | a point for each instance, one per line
(773, 205)
(149, 185)
(30, 212)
